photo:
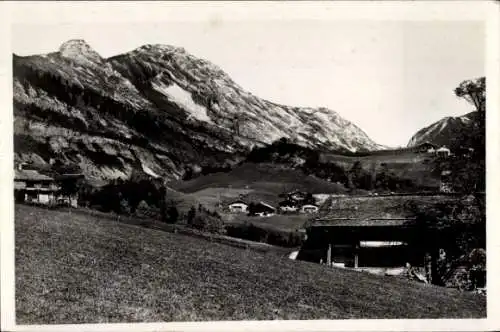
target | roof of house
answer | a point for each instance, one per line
(309, 205)
(238, 202)
(377, 210)
(267, 205)
(27, 174)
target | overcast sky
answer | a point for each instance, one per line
(390, 78)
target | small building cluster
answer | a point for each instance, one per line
(298, 202)
(260, 209)
(442, 152)
(295, 202)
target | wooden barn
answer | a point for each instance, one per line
(376, 234)
(360, 243)
(261, 209)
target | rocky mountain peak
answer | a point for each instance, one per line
(160, 47)
(79, 50)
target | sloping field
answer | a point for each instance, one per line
(73, 268)
(182, 201)
(284, 222)
(270, 178)
(411, 166)
(403, 157)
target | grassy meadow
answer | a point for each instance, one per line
(79, 268)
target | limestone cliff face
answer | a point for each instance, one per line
(155, 109)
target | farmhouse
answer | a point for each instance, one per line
(261, 209)
(309, 208)
(297, 196)
(443, 152)
(288, 206)
(238, 207)
(32, 187)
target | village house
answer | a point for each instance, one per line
(261, 209)
(443, 152)
(288, 206)
(297, 196)
(309, 208)
(32, 187)
(238, 207)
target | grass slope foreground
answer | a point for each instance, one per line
(75, 268)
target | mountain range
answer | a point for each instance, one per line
(450, 131)
(156, 109)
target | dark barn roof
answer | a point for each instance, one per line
(381, 207)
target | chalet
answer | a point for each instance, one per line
(288, 206)
(32, 187)
(297, 196)
(443, 152)
(261, 209)
(309, 208)
(238, 207)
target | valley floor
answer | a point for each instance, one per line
(77, 268)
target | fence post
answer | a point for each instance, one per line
(329, 255)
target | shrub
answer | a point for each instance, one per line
(204, 220)
(255, 233)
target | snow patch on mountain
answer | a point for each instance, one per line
(149, 171)
(182, 98)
